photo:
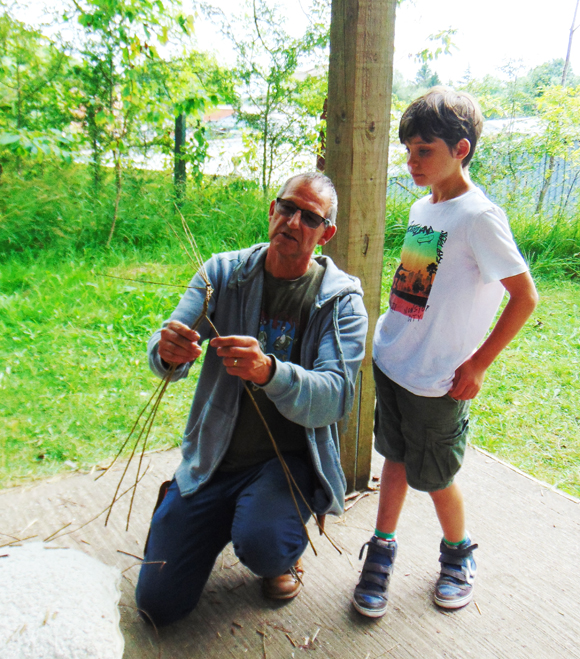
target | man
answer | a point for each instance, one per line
(292, 327)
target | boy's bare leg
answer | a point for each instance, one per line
(372, 591)
(450, 511)
(392, 495)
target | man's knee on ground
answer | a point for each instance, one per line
(269, 553)
(161, 602)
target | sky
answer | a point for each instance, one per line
(490, 34)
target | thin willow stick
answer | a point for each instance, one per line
(159, 392)
(148, 425)
(131, 433)
(291, 480)
(163, 388)
(93, 519)
(144, 281)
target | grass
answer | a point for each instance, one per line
(59, 212)
(529, 410)
(73, 372)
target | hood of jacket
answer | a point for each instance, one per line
(335, 281)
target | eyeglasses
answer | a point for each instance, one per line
(288, 208)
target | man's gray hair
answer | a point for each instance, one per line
(316, 178)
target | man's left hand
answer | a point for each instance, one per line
(242, 356)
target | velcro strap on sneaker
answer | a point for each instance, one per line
(455, 555)
(369, 577)
(451, 560)
(373, 593)
(460, 575)
(378, 567)
(380, 549)
(457, 551)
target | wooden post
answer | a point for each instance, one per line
(359, 103)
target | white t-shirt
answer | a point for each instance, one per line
(446, 291)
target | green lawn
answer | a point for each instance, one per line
(529, 410)
(74, 370)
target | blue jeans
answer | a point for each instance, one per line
(252, 508)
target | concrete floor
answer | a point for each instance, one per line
(526, 605)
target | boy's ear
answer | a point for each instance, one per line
(462, 148)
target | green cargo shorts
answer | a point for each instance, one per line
(428, 434)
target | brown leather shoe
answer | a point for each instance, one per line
(286, 586)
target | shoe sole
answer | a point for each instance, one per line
(369, 613)
(453, 604)
(283, 596)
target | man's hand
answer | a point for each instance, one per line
(243, 357)
(178, 343)
(468, 380)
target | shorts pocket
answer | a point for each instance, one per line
(443, 456)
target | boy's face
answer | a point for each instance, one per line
(434, 163)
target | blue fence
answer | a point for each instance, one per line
(522, 188)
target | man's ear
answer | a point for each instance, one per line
(271, 212)
(462, 148)
(327, 235)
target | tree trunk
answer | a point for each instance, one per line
(546, 183)
(265, 144)
(551, 161)
(95, 150)
(179, 171)
(118, 188)
(569, 50)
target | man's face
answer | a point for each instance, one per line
(290, 237)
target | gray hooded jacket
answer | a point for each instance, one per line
(316, 393)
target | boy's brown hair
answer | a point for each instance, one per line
(444, 113)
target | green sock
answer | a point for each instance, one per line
(385, 536)
(453, 544)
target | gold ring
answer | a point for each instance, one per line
(235, 362)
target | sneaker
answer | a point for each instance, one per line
(286, 586)
(372, 592)
(454, 587)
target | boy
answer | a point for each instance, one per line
(457, 259)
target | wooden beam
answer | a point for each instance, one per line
(359, 103)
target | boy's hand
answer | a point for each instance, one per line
(468, 380)
(523, 299)
(178, 343)
(242, 356)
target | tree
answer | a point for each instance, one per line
(177, 90)
(559, 112)
(550, 168)
(573, 29)
(278, 102)
(118, 37)
(34, 105)
(426, 78)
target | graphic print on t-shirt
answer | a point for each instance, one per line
(420, 258)
(276, 336)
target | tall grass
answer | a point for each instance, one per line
(60, 213)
